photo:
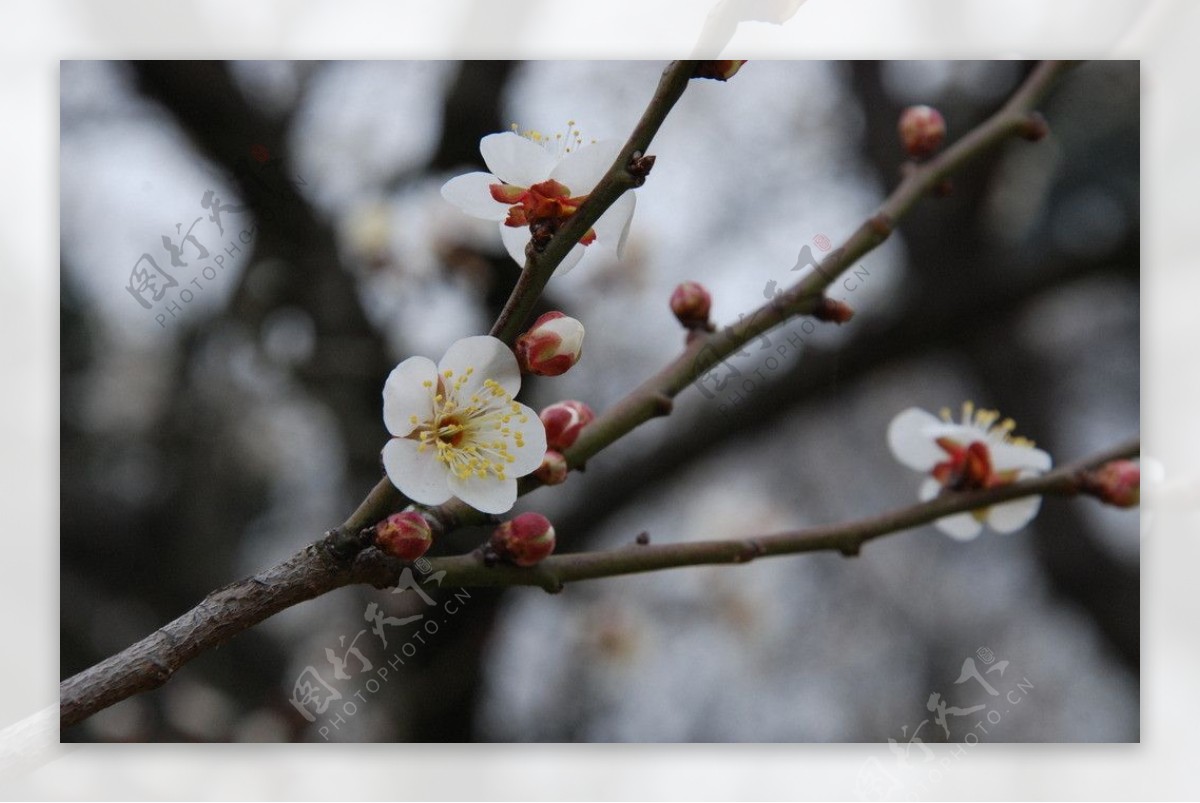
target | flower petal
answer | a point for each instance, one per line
(1006, 456)
(612, 228)
(1012, 516)
(488, 357)
(515, 159)
(583, 168)
(418, 475)
(533, 432)
(472, 195)
(910, 439)
(570, 260)
(487, 494)
(515, 239)
(960, 526)
(929, 489)
(405, 395)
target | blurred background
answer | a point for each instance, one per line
(206, 435)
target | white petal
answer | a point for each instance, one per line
(405, 395)
(418, 475)
(488, 357)
(529, 456)
(1012, 516)
(909, 437)
(570, 260)
(515, 239)
(612, 229)
(930, 488)
(582, 169)
(487, 494)
(515, 159)
(470, 193)
(1006, 456)
(960, 526)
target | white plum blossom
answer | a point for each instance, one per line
(540, 179)
(972, 454)
(457, 430)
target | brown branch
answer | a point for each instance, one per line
(315, 570)
(540, 266)
(847, 537)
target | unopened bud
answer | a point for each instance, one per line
(551, 346)
(830, 309)
(525, 540)
(1035, 127)
(563, 420)
(691, 304)
(922, 130)
(553, 470)
(720, 70)
(1117, 483)
(404, 535)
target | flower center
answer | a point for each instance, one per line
(546, 205)
(471, 434)
(967, 468)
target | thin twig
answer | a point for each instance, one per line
(846, 537)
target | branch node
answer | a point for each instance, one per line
(642, 539)
(881, 225)
(663, 404)
(1034, 127)
(851, 549)
(344, 546)
(832, 310)
(751, 549)
(553, 586)
(639, 167)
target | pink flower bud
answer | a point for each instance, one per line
(691, 304)
(563, 420)
(553, 470)
(551, 346)
(922, 130)
(1117, 483)
(404, 535)
(525, 540)
(830, 309)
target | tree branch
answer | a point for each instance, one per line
(539, 266)
(846, 537)
(315, 570)
(341, 559)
